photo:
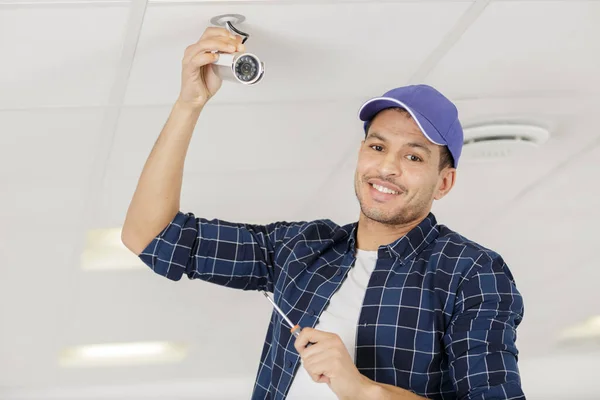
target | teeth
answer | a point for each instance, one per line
(384, 189)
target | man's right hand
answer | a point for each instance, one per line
(199, 82)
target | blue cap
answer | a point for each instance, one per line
(436, 116)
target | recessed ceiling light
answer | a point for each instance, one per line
(105, 251)
(116, 354)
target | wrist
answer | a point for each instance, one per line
(369, 389)
(188, 107)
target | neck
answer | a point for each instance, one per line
(372, 234)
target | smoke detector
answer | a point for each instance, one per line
(493, 141)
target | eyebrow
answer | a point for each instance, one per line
(419, 146)
(376, 135)
(416, 145)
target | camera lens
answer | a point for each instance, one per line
(246, 68)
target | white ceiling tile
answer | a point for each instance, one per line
(551, 112)
(47, 202)
(46, 160)
(250, 197)
(63, 55)
(48, 144)
(34, 295)
(557, 376)
(564, 198)
(525, 48)
(282, 162)
(244, 138)
(334, 198)
(330, 50)
(161, 310)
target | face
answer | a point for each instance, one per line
(397, 176)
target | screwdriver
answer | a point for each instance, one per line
(295, 329)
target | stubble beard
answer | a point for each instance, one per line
(387, 215)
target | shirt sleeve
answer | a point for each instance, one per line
(235, 255)
(481, 339)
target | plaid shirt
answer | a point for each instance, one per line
(439, 315)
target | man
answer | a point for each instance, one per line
(394, 306)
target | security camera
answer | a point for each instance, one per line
(239, 67)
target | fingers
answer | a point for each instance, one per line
(302, 339)
(213, 31)
(329, 347)
(202, 59)
(315, 361)
(313, 350)
(311, 335)
(207, 45)
(214, 44)
(217, 32)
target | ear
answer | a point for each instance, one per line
(446, 182)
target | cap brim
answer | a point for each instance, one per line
(378, 104)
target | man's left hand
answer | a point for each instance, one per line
(327, 361)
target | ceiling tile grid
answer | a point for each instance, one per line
(542, 48)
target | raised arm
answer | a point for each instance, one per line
(156, 200)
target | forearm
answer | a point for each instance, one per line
(389, 392)
(381, 391)
(156, 200)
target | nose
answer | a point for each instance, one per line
(390, 166)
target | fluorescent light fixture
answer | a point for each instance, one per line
(105, 251)
(590, 329)
(119, 354)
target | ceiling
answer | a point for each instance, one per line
(86, 87)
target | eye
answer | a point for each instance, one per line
(412, 157)
(376, 147)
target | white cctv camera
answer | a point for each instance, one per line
(243, 68)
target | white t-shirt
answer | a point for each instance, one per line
(341, 317)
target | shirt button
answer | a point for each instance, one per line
(338, 272)
(311, 312)
(289, 364)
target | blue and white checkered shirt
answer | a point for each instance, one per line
(439, 316)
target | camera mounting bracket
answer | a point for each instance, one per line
(222, 20)
(228, 20)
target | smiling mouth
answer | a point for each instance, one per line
(383, 189)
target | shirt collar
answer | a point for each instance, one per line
(406, 246)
